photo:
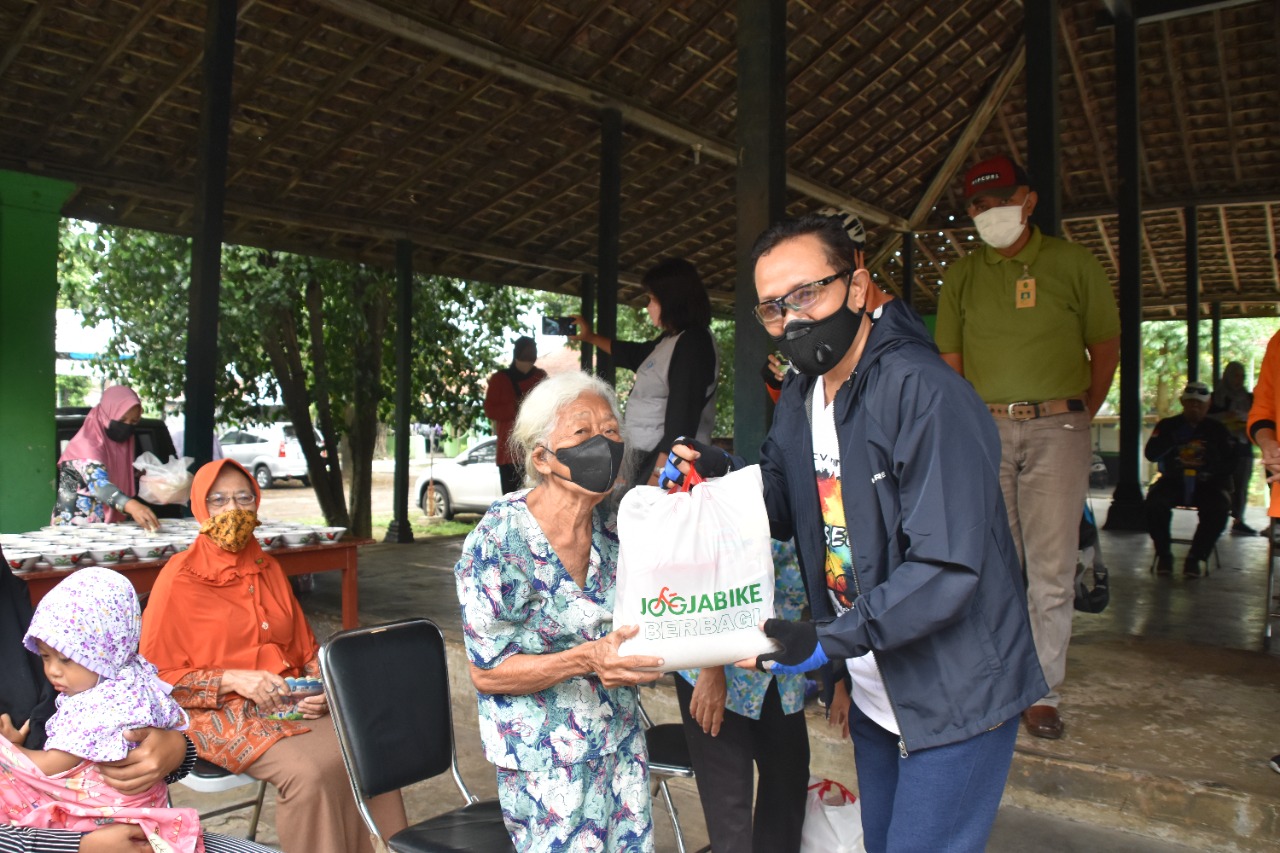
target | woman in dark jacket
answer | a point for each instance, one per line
(676, 373)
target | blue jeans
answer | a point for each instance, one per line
(934, 800)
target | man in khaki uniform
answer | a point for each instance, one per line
(1032, 322)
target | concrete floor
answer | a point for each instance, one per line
(1170, 705)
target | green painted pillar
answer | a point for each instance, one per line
(29, 210)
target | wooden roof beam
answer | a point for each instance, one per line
(960, 151)
(956, 242)
(1106, 242)
(492, 58)
(1174, 70)
(19, 38)
(1271, 247)
(1226, 247)
(1225, 82)
(1150, 11)
(1150, 252)
(1086, 102)
(138, 22)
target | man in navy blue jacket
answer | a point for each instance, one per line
(884, 465)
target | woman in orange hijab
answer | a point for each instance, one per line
(223, 627)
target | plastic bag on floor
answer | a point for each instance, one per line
(832, 819)
(695, 571)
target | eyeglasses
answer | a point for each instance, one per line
(802, 298)
(218, 501)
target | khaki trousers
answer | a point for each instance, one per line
(1044, 474)
(316, 809)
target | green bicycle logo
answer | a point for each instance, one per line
(666, 600)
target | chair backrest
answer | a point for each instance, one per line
(388, 688)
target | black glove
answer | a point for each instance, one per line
(766, 372)
(800, 652)
(711, 462)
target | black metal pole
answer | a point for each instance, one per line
(761, 200)
(909, 267)
(400, 529)
(1126, 511)
(1193, 295)
(588, 310)
(1040, 23)
(610, 234)
(200, 388)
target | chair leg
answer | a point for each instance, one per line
(257, 812)
(671, 810)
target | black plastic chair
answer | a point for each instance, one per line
(388, 688)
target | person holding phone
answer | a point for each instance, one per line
(676, 373)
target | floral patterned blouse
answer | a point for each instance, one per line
(76, 500)
(517, 598)
(745, 688)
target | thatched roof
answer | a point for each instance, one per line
(472, 128)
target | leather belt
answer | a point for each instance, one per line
(1028, 411)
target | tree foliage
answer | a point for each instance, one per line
(316, 335)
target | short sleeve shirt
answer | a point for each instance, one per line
(1035, 352)
(517, 598)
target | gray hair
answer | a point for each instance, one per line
(540, 411)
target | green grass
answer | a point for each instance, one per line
(422, 526)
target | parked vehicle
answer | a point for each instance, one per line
(269, 451)
(468, 482)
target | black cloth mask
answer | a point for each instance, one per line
(593, 464)
(815, 346)
(119, 431)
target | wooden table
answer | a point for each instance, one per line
(339, 557)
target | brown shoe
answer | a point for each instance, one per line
(1043, 721)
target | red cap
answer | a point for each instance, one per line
(997, 176)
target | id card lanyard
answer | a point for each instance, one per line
(1024, 289)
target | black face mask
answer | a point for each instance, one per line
(119, 431)
(593, 464)
(815, 346)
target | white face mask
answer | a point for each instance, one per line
(1000, 227)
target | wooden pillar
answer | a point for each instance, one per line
(1217, 342)
(1126, 511)
(1193, 294)
(909, 267)
(30, 207)
(610, 228)
(1044, 148)
(761, 200)
(400, 529)
(588, 309)
(206, 247)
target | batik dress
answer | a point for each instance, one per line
(572, 766)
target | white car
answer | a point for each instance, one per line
(468, 482)
(270, 451)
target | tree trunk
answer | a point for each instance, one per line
(282, 347)
(373, 297)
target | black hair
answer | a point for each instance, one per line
(680, 293)
(523, 344)
(841, 251)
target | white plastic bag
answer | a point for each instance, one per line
(832, 819)
(695, 572)
(163, 482)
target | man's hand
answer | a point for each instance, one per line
(12, 734)
(115, 838)
(159, 752)
(706, 706)
(800, 650)
(707, 459)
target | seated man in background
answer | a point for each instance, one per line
(1196, 459)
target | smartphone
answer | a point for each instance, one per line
(559, 326)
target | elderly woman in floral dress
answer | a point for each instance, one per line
(558, 707)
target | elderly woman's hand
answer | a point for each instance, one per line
(313, 707)
(265, 689)
(616, 670)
